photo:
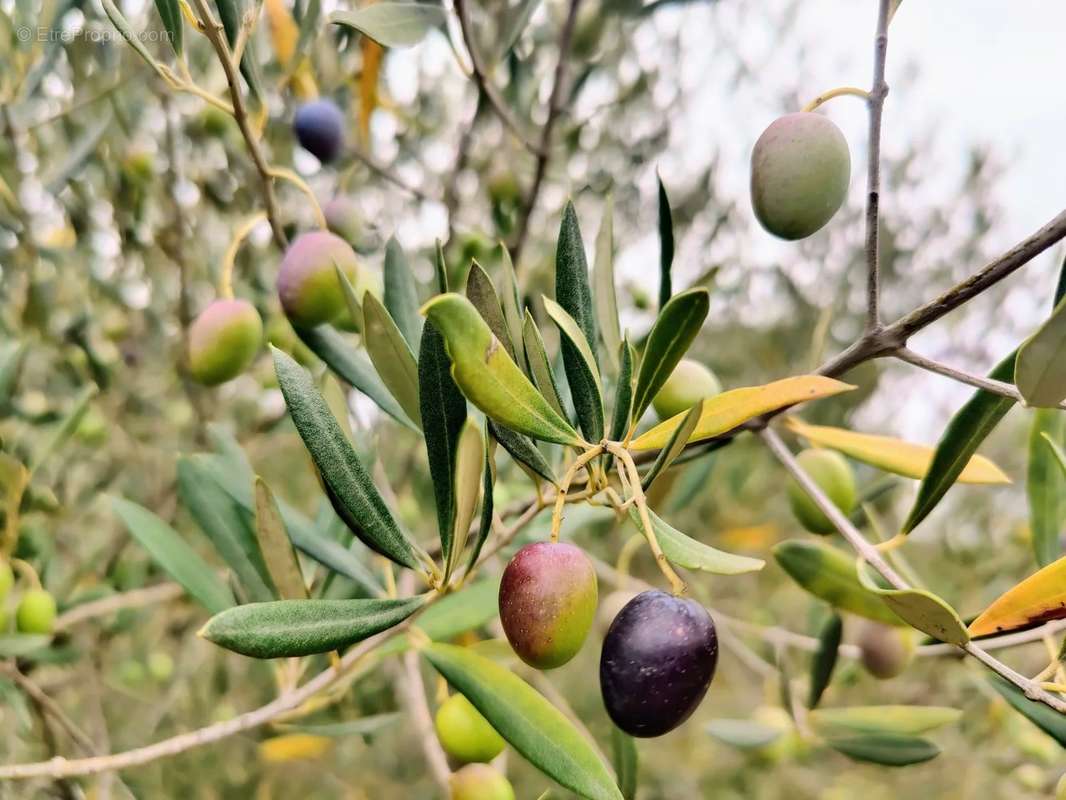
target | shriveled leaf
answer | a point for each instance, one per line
(603, 287)
(231, 13)
(169, 550)
(745, 734)
(686, 552)
(539, 366)
(921, 609)
(888, 750)
(626, 762)
(902, 720)
(350, 488)
(469, 466)
(621, 414)
(582, 371)
(728, 410)
(291, 747)
(1038, 373)
(674, 446)
(276, 546)
(829, 574)
(523, 450)
(481, 292)
(401, 293)
(285, 628)
(1045, 485)
(666, 245)
(529, 723)
(1050, 721)
(670, 337)
(1039, 598)
(824, 660)
(489, 377)
(964, 434)
(391, 356)
(392, 24)
(891, 454)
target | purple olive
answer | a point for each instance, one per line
(319, 127)
(658, 659)
(223, 341)
(548, 602)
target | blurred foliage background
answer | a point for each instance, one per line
(123, 200)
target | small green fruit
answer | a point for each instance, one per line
(223, 341)
(833, 475)
(480, 782)
(36, 612)
(343, 219)
(307, 279)
(466, 735)
(160, 666)
(885, 650)
(689, 383)
(800, 169)
(7, 579)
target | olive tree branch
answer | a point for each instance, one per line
(876, 103)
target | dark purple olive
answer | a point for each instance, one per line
(658, 659)
(319, 127)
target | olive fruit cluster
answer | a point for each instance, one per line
(659, 653)
(35, 612)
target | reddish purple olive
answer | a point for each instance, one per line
(223, 341)
(658, 659)
(319, 127)
(548, 602)
(307, 279)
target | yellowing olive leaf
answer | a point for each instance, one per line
(391, 356)
(905, 720)
(278, 553)
(291, 747)
(626, 762)
(621, 414)
(469, 464)
(603, 291)
(489, 377)
(532, 725)
(728, 410)
(890, 454)
(886, 749)
(686, 552)
(512, 305)
(1039, 598)
(523, 450)
(920, 609)
(1045, 485)
(392, 24)
(472, 607)
(829, 574)
(288, 628)
(1038, 373)
(582, 371)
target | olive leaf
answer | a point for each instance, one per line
(666, 244)
(469, 466)
(481, 292)
(824, 660)
(686, 552)
(1045, 485)
(921, 609)
(902, 720)
(276, 546)
(348, 485)
(523, 450)
(626, 762)
(1038, 372)
(489, 377)
(1050, 721)
(529, 723)
(170, 13)
(290, 628)
(603, 287)
(512, 305)
(886, 749)
(487, 486)
(391, 356)
(674, 446)
(539, 367)
(401, 293)
(622, 414)
(582, 371)
(392, 24)
(231, 13)
(1039, 598)
(673, 332)
(440, 268)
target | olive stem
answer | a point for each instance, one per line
(840, 91)
(287, 174)
(225, 277)
(26, 570)
(560, 496)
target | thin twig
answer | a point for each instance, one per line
(384, 172)
(876, 102)
(978, 381)
(413, 693)
(48, 705)
(137, 598)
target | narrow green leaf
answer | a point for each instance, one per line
(900, 720)
(440, 269)
(686, 552)
(888, 750)
(517, 20)
(17, 645)
(920, 609)
(512, 304)
(469, 466)
(443, 409)
(354, 495)
(392, 24)
(289, 628)
(489, 377)
(666, 245)
(276, 546)
(353, 367)
(391, 356)
(524, 450)
(1047, 719)
(1046, 485)
(964, 434)
(824, 660)
(170, 13)
(231, 14)
(745, 734)
(678, 439)
(829, 574)
(221, 520)
(670, 337)
(626, 762)
(1056, 451)
(401, 293)
(582, 372)
(623, 392)
(484, 527)
(532, 725)
(168, 549)
(481, 292)
(539, 366)
(468, 609)
(603, 287)
(1038, 373)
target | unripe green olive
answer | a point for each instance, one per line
(480, 782)
(223, 341)
(885, 650)
(160, 666)
(307, 279)
(7, 579)
(343, 219)
(466, 735)
(689, 383)
(36, 612)
(834, 476)
(800, 169)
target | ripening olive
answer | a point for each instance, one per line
(466, 735)
(689, 383)
(658, 659)
(307, 278)
(480, 782)
(319, 127)
(800, 168)
(833, 475)
(885, 650)
(223, 341)
(36, 612)
(548, 602)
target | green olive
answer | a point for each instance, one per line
(833, 475)
(36, 612)
(464, 733)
